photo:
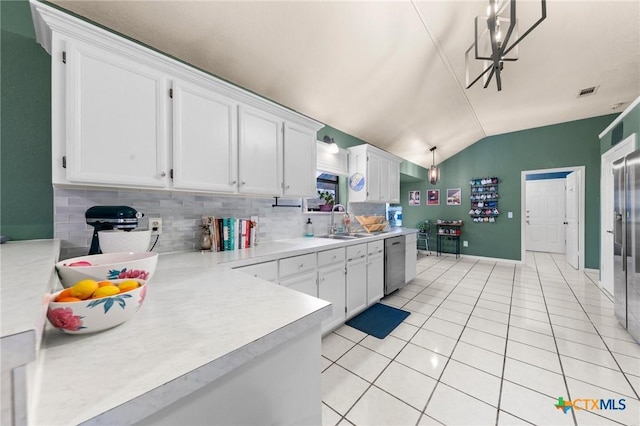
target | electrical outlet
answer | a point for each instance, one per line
(155, 224)
(465, 244)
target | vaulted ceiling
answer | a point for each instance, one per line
(393, 72)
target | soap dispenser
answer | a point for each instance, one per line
(308, 228)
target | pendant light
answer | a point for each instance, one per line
(333, 146)
(434, 172)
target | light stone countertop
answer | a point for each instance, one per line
(199, 321)
(27, 275)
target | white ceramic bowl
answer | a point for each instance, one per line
(109, 266)
(117, 241)
(91, 315)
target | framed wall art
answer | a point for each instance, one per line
(414, 198)
(433, 197)
(454, 197)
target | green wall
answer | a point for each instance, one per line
(569, 144)
(26, 194)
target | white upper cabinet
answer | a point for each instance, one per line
(114, 124)
(260, 152)
(205, 155)
(115, 119)
(299, 161)
(380, 171)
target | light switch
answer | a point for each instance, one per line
(510, 215)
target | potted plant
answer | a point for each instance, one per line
(328, 199)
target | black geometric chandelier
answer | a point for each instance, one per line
(491, 43)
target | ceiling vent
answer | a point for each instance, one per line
(588, 91)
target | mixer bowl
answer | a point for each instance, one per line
(116, 241)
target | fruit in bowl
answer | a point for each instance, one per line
(109, 266)
(90, 306)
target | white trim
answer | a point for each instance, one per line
(619, 118)
(523, 208)
(592, 271)
(489, 259)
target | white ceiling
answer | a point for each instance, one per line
(392, 72)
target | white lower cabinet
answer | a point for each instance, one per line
(375, 278)
(410, 257)
(356, 279)
(306, 283)
(331, 287)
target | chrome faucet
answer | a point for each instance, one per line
(332, 226)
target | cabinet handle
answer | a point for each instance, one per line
(334, 257)
(163, 174)
(233, 182)
(243, 183)
(287, 187)
(301, 265)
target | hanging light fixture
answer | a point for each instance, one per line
(491, 43)
(434, 172)
(333, 146)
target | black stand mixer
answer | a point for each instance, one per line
(104, 218)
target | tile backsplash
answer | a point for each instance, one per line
(181, 214)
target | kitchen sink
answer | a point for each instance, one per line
(339, 237)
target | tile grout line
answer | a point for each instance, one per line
(601, 338)
(564, 377)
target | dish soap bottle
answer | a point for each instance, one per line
(308, 228)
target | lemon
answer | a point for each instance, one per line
(128, 285)
(84, 289)
(107, 290)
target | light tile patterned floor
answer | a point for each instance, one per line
(486, 344)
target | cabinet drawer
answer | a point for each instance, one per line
(330, 257)
(297, 265)
(375, 247)
(356, 252)
(411, 238)
(267, 270)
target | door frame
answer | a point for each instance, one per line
(581, 205)
(620, 150)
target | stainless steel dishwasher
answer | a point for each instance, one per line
(394, 252)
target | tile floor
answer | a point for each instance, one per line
(486, 344)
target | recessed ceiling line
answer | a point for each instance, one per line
(448, 66)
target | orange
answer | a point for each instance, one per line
(128, 285)
(64, 293)
(104, 283)
(84, 289)
(108, 290)
(69, 299)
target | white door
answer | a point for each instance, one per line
(331, 287)
(572, 219)
(385, 189)
(545, 207)
(299, 161)
(356, 286)
(259, 152)
(205, 153)
(394, 182)
(372, 181)
(606, 212)
(115, 119)
(306, 284)
(375, 278)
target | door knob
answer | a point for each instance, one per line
(610, 232)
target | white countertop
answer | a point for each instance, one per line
(200, 320)
(26, 276)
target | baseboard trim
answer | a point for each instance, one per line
(489, 259)
(593, 271)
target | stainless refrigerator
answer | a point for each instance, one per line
(626, 242)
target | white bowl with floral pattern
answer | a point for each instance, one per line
(92, 315)
(108, 266)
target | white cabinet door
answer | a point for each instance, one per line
(331, 287)
(116, 118)
(385, 194)
(375, 278)
(299, 161)
(306, 284)
(373, 177)
(394, 182)
(356, 286)
(410, 257)
(260, 152)
(205, 155)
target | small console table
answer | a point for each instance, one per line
(448, 235)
